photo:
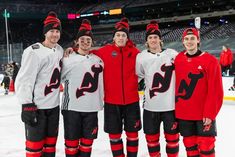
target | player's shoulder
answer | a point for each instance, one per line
(71, 58)
(60, 48)
(96, 58)
(181, 53)
(142, 54)
(35, 46)
(32, 49)
(106, 47)
(209, 57)
(171, 51)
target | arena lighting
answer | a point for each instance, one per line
(115, 11)
(78, 16)
(206, 22)
(191, 24)
(104, 12)
(72, 16)
(222, 20)
(86, 15)
(197, 22)
(96, 13)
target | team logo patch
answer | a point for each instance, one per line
(174, 126)
(114, 54)
(207, 128)
(35, 46)
(94, 131)
(199, 67)
(137, 124)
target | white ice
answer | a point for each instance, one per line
(12, 133)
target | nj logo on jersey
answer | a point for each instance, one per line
(161, 83)
(90, 81)
(55, 80)
(187, 89)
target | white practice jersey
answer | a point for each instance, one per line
(38, 79)
(158, 73)
(83, 80)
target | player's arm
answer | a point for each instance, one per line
(139, 68)
(25, 82)
(66, 69)
(214, 98)
(140, 73)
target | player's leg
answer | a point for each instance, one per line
(132, 124)
(151, 125)
(89, 133)
(35, 136)
(113, 126)
(51, 135)
(171, 132)
(72, 132)
(188, 130)
(206, 139)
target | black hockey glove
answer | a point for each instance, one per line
(29, 114)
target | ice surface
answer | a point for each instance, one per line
(12, 133)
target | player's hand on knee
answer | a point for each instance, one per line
(29, 114)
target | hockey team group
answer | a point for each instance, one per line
(182, 90)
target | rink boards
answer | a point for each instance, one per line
(227, 83)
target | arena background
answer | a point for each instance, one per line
(25, 18)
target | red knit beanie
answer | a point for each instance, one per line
(152, 28)
(85, 29)
(51, 22)
(122, 26)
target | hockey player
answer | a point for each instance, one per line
(83, 95)
(199, 96)
(156, 66)
(37, 88)
(121, 97)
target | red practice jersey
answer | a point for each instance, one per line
(199, 90)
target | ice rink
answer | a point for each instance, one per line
(12, 133)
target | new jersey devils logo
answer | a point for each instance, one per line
(55, 80)
(188, 88)
(161, 83)
(90, 83)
